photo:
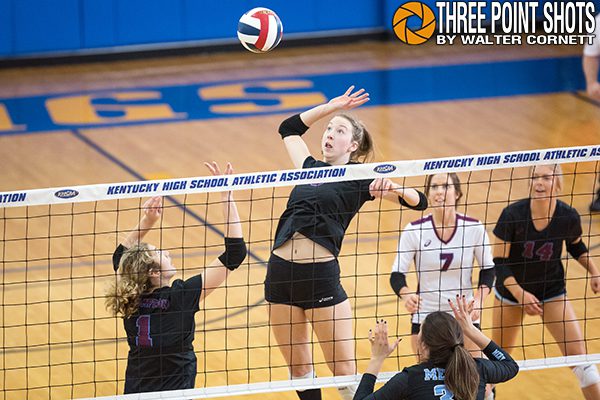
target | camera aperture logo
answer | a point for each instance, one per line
(401, 19)
(500, 23)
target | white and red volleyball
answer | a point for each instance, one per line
(260, 30)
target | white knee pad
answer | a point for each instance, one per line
(587, 375)
(347, 392)
(310, 374)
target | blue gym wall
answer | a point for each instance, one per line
(64, 26)
(57, 27)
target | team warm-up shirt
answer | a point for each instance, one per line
(425, 381)
(160, 335)
(535, 256)
(444, 268)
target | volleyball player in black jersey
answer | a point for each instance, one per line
(303, 276)
(448, 370)
(159, 315)
(530, 274)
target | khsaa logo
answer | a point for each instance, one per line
(384, 168)
(66, 193)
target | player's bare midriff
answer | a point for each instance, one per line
(301, 249)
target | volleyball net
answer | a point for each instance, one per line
(59, 341)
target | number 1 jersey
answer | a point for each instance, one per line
(160, 335)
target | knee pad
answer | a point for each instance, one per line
(587, 375)
(347, 392)
(310, 374)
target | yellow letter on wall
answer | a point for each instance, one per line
(287, 101)
(6, 123)
(79, 110)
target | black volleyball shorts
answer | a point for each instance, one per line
(311, 285)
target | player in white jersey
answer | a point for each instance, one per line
(443, 246)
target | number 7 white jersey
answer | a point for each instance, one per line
(444, 268)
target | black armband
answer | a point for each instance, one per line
(293, 126)
(117, 255)
(503, 271)
(398, 281)
(419, 207)
(486, 277)
(577, 249)
(235, 253)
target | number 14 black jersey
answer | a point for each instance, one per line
(535, 256)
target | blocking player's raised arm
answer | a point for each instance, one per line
(235, 246)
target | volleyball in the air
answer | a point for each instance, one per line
(260, 30)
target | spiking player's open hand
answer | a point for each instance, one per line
(349, 100)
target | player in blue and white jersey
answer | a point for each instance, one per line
(447, 370)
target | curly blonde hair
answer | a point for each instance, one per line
(133, 280)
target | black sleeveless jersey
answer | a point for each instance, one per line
(425, 381)
(322, 212)
(535, 256)
(160, 335)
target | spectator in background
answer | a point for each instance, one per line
(591, 66)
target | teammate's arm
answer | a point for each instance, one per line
(483, 255)
(580, 252)
(405, 256)
(591, 67)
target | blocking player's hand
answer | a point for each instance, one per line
(463, 316)
(214, 169)
(153, 209)
(412, 303)
(380, 345)
(475, 310)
